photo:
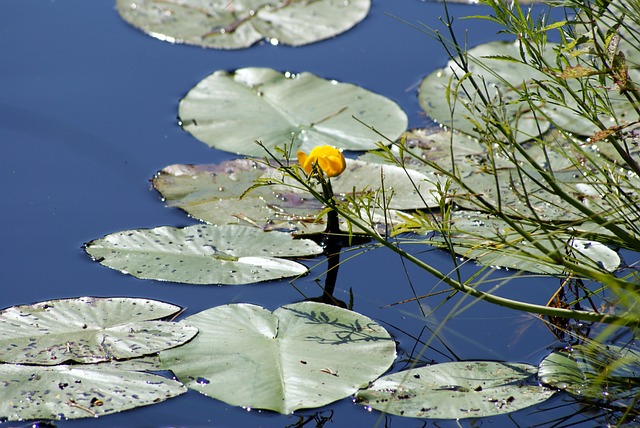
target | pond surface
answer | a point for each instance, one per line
(88, 110)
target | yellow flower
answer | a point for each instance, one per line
(328, 158)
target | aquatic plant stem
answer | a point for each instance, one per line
(333, 224)
(491, 298)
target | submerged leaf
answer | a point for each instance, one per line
(456, 390)
(239, 24)
(203, 254)
(78, 391)
(277, 106)
(88, 330)
(301, 355)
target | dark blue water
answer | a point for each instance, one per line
(88, 111)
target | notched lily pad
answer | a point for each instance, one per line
(212, 193)
(302, 355)
(88, 330)
(277, 106)
(77, 391)
(456, 390)
(239, 24)
(203, 254)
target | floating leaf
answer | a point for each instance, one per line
(301, 355)
(212, 193)
(456, 390)
(444, 95)
(203, 254)
(594, 372)
(71, 392)
(224, 25)
(88, 330)
(455, 107)
(283, 106)
(504, 177)
(492, 242)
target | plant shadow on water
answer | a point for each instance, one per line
(88, 116)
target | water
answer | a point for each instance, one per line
(88, 110)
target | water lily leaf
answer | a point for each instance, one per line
(492, 63)
(282, 107)
(492, 242)
(301, 355)
(77, 391)
(88, 330)
(203, 254)
(212, 193)
(455, 107)
(223, 25)
(456, 390)
(508, 180)
(594, 372)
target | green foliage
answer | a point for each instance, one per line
(493, 242)
(203, 254)
(278, 106)
(218, 194)
(223, 25)
(299, 356)
(538, 172)
(594, 372)
(78, 391)
(456, 390)
(88, 330)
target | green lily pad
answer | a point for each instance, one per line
(301, 355)
(239, 24)
(511, 182)
(444, 95)
(456, 390)
(454, 107)
(212, 193)
(77, 391)
(594, 372)
(203, 254)
(491, 241)
(283, 107)
(88, 330)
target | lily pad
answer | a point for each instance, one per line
(88, 330)
(212, 193)
(509, 180)
(239, 24)
(456, 390)
(301, 355)
(230, 111)
(455, 107)
(77, 391)
(202, 254)
(594, 372)
(444, 95)
(492, 242)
